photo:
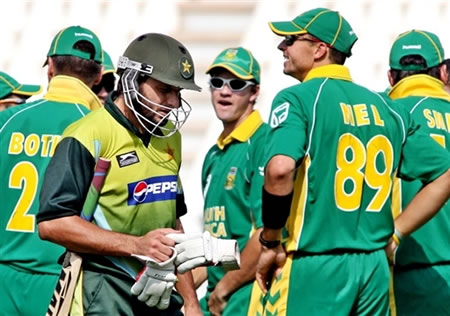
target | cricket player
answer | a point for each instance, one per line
(13, 93)
(142, 198)
(333, 151)
(232, 179)
(422, 262)
(29, 134)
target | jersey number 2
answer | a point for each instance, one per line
(24, 176)
(350, 164)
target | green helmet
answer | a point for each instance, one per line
(162, 58)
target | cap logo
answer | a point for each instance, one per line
(83, 34)
(186, 69)
(412, 46)
(231, 54)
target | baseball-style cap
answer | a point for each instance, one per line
(416, 42)
(108, 65)
(9, 85)
(324, 24)
(64, 42)
(239, 61)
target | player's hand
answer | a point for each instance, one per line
(270, 264)
(199, 249)
(390, 250)
(155, 283)
(156, 245)
(217, 301)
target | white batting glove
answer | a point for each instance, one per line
(201, 249)
(155, 283)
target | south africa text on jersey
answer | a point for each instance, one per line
(215, 221)
(33, 144)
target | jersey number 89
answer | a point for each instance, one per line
(351, 159)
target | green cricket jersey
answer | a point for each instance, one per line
(28, 137)
(425, 98)
(141, 188)
(232, 179)
(349, 143)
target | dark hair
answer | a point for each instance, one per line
(337, 56)
(108, 82)
(83, 69)
(415, 60)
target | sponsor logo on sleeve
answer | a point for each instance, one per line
(279, 114)
(154, 189)
(127, 159)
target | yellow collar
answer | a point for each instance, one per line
(243, 132)
(419, 86)
(73, 90)
(330, 71)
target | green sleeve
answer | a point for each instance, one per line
(288, 133)
(67, 180)
(422, 157)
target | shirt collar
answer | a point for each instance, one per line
(243, 132)
(332, 71)
(419, 86)
(71, 89)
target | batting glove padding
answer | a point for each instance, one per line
(155, 283)
(201, 249)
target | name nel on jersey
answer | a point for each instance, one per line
(154, 189)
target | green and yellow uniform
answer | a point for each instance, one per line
(28, 137)
(232, 179)
(349, 143)
(142, 192)
(422, 261)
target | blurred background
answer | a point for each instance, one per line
(206, 28)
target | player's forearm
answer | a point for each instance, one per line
(185, 286)
(233, 280)
(424, 205)
(76, 234)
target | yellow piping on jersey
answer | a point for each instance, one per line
(296, 217)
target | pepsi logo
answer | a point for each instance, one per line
(140, 192)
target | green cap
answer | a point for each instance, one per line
(324, 24)
(64, 41)
(239, 61)
(108, 66)
(416, 42)
(9, 85)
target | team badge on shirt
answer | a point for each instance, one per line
(127, 159)
(229, 183)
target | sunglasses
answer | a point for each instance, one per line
(290, 39)
(233, 84)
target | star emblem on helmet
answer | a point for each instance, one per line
(186, 66)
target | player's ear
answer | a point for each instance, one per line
(391, 80)
(443, 73)
(254, 96)
(99, 77)
(50, 68)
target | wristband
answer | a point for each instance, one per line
(397, 236)
(268, 243)
(275, 209)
